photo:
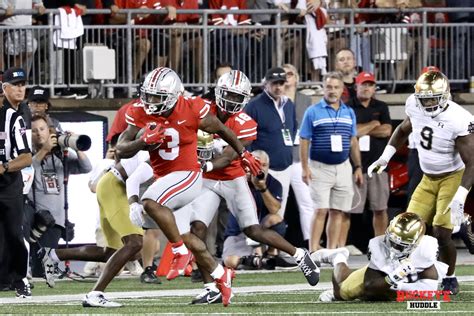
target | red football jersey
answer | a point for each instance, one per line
(179, 150)
(245, 128)
(119, 124)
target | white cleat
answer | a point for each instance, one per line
(327, 296)
(328, 255)
(98, 300)
(134, 268)
(49, 266)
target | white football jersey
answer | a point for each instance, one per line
(424, 256)
(435, 137)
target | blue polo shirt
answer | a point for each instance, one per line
(320, 121)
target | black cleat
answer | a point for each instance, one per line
(22, 289)
(149, 276)
(450, 284)
(208, 296)
(196, 276)
(309, 268)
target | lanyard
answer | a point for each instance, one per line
(334, 120)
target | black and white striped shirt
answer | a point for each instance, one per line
(13, 140)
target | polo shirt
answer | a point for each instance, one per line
(378, 111)
(320, 121)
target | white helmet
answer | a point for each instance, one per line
(160, 90)
(233, 91)
(432, 92)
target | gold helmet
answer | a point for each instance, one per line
(205, 145)
(403, 234)
(432, 92)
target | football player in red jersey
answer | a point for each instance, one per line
(224, 177)
(170, 124)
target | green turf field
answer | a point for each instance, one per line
(257, 293)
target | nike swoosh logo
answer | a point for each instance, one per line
(181, 122)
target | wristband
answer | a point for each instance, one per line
(388, 153)
(209, 166)
(357, 167)
(461, 194)
(263, 190)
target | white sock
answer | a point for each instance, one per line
(211, 286)
(95, 293)
(451, 276)
(54, 256)
(181, 249)
(218, 272)
(299, 254)
(456, 229)
(339, 258)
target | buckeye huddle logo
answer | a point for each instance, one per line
(427, 300)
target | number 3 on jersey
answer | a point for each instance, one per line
(171, 152)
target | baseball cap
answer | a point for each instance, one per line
(429, 68)
(275, 74)
(365, 77)
(14, 75)
(38, 94)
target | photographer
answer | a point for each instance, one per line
(47, 192)
(267, 192)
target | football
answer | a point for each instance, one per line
(147, 147)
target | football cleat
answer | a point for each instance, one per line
(22, 289)
(450, 284)
(134, 268)
(224, 284)
(309, 268)
(98, 300)
(327, 296)
(49, 266)
(208, 296)
(178, 265)
(328, 255)
(149, 276)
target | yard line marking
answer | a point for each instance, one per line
(181, 293)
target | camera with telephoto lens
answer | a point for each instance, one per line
(76, 142)
(41, 222)
(258, 262)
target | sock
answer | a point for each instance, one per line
(95, 293)
(456, 229)
(179, 247)
(299, 254)
(339, 258)
(54, 256)
(211, 286)
(451, 276)
(218, 272)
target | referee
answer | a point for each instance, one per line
(15, 155)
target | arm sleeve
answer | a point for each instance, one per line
(420, 285)
(143, 173)
(20, 140)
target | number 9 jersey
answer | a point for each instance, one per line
(178, 151)
(245, 128)
(435, 137)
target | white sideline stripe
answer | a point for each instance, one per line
(180, 293)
